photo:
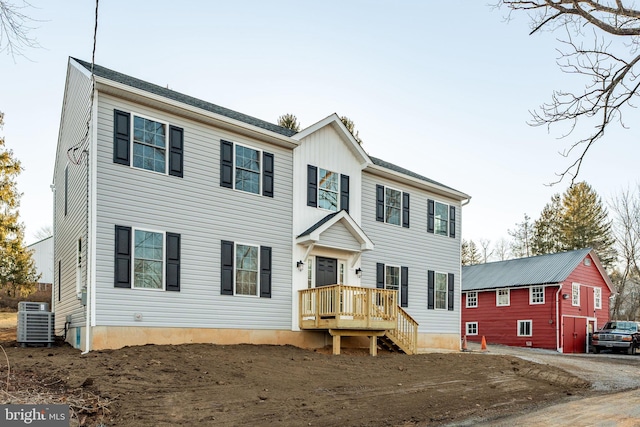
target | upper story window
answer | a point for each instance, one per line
(441, 218)
(575, 294)
(472, 299)
(502, 297)
(392, 206)
(597, 298)
(246, 169)
(149, 144)
(536, 295)
(247, 176)
(327, 189)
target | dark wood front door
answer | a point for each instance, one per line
(326, 271)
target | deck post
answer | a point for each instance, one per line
(336, 344)
(373, 345)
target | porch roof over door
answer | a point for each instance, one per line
(337, 230)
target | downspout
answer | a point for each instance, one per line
(558, 347)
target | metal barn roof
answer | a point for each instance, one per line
(536, 270)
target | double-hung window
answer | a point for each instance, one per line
(392, 278)
(246, 169)
(149, 144)
(148, 255)
(246, 269)
(597, 298)
(392, 206)
(472, 299)
(328, 189)
(441, 291)
(247, 264)
(536, 295)
(502, 297)
(441, 218)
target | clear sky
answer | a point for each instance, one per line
(441, 88)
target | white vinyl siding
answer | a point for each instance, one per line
(203, 216)
(414, 248)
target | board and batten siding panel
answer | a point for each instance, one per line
(72, 226)
(414, 248)
(337, 236)
(204, 214)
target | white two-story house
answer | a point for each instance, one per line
(179, 221)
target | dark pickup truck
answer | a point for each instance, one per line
(617, 335)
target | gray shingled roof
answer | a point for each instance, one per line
(317, 225)
(391, 166)
(207, 106)
(537, 270)
(176, 96)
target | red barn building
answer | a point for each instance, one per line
(549, 301)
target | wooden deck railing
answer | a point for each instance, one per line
(405, 334)
(348, 307)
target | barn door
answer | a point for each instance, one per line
(575, 335)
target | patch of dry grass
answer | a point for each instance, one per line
(8, 320)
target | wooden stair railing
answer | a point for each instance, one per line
(405, 337)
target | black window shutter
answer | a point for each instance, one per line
(121, 137)
(226, 164)
(312, 186)
(379, 203)
(176, 148)
(452, 221)
(430, 216)
(380, 275)
(430, 287)
(405, 210)
(173, 262)
(122, 274)
(267, 174)
(226, 280)
(344, 192)
(450, 292)
(404, 286)
(265, 272)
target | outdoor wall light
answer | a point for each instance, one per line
(300, 265)
(359, 272)
(565, 296)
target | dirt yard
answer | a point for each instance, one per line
(201, 384)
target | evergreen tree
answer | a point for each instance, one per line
(547, 237)
(289, 121)
(351, 127)
(522, 236)
(17, 269)
(585, 223)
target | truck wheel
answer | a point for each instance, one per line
(631, 349)
(596, 350)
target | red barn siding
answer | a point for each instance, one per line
(499, 324)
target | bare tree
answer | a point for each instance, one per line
(486, 253)
(501, 249)
(43, 232)
(626, 228)
(600, 44)
(15, 27)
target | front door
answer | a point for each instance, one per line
(326, 271)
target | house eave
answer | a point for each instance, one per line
(152, 100)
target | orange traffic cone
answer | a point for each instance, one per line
(464, 343)
(483, 346)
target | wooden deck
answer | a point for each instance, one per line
(357, 311)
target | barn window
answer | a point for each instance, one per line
(472, 299)
(502, 297)
(536, 295)
(472, 328)
(575, 294)
(597, 298)
(524, 328)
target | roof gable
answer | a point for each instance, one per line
(311, 236)
(536, 270)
